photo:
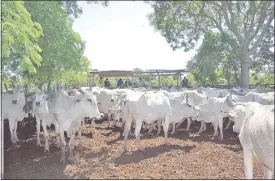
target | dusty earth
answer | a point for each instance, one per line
(101, 156)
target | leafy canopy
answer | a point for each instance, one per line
(20, 35)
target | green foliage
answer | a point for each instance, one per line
(215, 61)
(243, 24)
(72, 8)
(20, 34)
(62, 47)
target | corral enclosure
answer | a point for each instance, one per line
(101, 156)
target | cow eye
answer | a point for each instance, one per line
(43, 97)
(90, 100)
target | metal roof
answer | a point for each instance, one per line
(124, 73)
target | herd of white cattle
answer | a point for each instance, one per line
(251, 112)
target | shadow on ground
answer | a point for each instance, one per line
(150, 152)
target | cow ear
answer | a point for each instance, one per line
(47, 98)
(78, 99)
(199, 91)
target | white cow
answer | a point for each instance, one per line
(43, 111)
(194, 98)
(69, 113)
(262, 98)
(12, 110)
(211, 112)
(213, 92)
(180, 111)
(257, 136)
(144, 107)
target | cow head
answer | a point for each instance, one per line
(40, 99)
(18, 95)
(115, 112)
(227, 103)
(90, 100)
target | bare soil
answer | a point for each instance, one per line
(101, 156)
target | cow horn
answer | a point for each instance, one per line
(186, 98)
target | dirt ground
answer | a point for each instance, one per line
(101, 156)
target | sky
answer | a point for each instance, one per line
(118, 37)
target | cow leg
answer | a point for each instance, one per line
(152, 125)
(63, 147)
(46, 137)
(201, 128)
(38, 131)
(159, 127)
(215, 130)
(12, 126)
(204, 126)
(267, 173)
(165, 125)
(248, 163)
(71, 147)
(221, 128)
(57, 134)
(15, 131)
(122, 127)
(93, 126)
(137, 132)
(189, 121)
(109, 119)
(228, 124)
(174, 128)
(127, 128)
(178, 125)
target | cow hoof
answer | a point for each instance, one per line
(46, 150)
(38, 144)
(62, 161)
(221, 139)
(140, 148)
(72, 160)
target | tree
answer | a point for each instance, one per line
(245, 23)
(72, 8)
(20, 34)
(62, 47)
(214, 59)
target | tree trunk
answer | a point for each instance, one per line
(49, 86)
(245, 70)
(40, 87)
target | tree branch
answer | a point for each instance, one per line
(264, 29)
(252, 9)
(232, 26)
(259, 22)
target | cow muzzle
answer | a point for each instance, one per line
(37, 103)
(112, 100)
(14, 101)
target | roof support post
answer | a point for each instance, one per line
(180, 79)
(158, 81)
